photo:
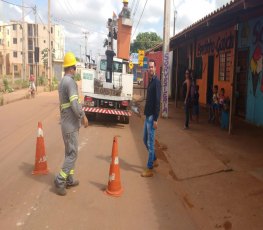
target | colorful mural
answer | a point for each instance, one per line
(256, 67)
(251, 36)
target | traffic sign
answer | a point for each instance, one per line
(130, 65)
(141, 52)
(140, 57)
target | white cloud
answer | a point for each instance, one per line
(87, 15)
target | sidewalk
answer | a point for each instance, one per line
(19, 95)
(221, 174)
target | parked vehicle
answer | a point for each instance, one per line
(107, 92)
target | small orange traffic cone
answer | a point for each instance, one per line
(114, 185)
(41, 159)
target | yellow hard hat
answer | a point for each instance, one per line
(69, 59)
(125, 1)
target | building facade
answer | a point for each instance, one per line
(224, 48)
(36, 45)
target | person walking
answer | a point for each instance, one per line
(72, 116)
(151, 112)
(32, 86)
(186, 96)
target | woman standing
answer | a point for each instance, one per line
(186, 96)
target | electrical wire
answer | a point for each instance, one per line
(135, 8)
(140, 18)
(77, 25)
(10, 3)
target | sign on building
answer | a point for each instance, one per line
(140, 57)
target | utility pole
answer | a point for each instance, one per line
(80, 53)
(23, 43)
(175, 15)
(86, 38)
(35, 44)
(166, 64)
(49, 49)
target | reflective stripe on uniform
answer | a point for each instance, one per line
(73, 97)
(71, 172)
(63, 174)
(65, 105)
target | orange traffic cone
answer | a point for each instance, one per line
(114, 185)
(41, 159)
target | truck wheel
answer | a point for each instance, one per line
(126, 119)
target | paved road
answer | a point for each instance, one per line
(29, 202)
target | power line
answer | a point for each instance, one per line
(74, 24)
(132, 3)
(135, 8)
(10, 3)
(140, 18)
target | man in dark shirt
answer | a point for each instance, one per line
(151, 112)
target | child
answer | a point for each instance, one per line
(209, 100)
(225, 114)
(216, 104)
(196, 103)
(221, 98)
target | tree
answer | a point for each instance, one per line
(145, 41)
(44, 57)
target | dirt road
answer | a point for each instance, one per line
(29, 202)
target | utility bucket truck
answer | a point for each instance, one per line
(108, 89)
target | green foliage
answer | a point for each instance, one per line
(7, 88)
(54, 83)
(44, 56)
(20, 84)
(1, 99)
(77, 77)
(145, 41)
(41, 80)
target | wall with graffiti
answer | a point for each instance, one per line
(251, 36)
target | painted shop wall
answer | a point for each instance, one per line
(213, 45)
(158, 58)
(251, 36)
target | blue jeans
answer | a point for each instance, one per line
(187, 114)
(148, 139)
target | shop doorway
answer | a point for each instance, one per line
(210, 79)
(241, 83)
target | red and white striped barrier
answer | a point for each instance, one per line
(107, 111)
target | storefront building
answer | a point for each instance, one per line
(224, 49)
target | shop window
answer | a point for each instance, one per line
(198, 67)
(224, 66)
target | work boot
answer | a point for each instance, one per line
(147, 173)
(155, 163)
(72, 184)
(60, 189)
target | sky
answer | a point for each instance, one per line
(89, 16)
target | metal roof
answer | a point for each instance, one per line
(220, 16)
